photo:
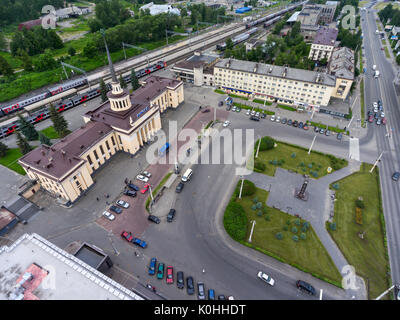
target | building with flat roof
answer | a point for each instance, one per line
(310, 15)
(32, 268)
(328, 12)
(124, 123)
(309, 32)
(160, 8)
(342, 67)
(323, 44)
(285, 85)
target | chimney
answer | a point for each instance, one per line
(63, 152)
(255, 68)
(270, 69)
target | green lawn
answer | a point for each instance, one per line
(50, 133)
(162, 182)
(301, 162)
(219, 91)
(387, 54)
(323, 126)
(10, 161)
(262, 102)
(286, 107)
(308, 255)
(362, 103)
(244, 106)
(369, 255)
(237, 96)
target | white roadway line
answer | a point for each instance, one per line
(252, 229)
(354, 149)
(312, 143)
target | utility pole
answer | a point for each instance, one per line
(241, 187)
(258, 147)
(312, 143)
(151, 193)
(252, 229)
(376, 162)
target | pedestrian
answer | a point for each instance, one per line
(126, 180)
(97, 198)
(107, 195)
(154, 289)
(107, 203)
(204, 270)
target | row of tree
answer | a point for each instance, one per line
(390, 13)
(108, 14)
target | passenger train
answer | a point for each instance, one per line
(9, 127)
(239, 38)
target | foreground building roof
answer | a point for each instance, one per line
(342, 63)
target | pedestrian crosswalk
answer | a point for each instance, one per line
(354, 149)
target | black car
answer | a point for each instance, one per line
(321, 131)
(295, 123)
(220, 104)
(254, 118)
(302, 285)
(228, 107)
(289, 122)
(221, 297)
(154, 219)
(133, 186)
(263, 115)
(396, 176)
(284, 120)
(179, 187)
(116, 209)
(190, 285)
(171, 215)
(201, 291)
(180, 280)
(205, 110)
(301, 125)
(130, 193)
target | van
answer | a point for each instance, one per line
(188, 174)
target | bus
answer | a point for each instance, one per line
(164, 149)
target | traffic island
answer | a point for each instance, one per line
(358, 227)
(282, 236)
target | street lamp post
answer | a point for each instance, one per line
(241, 188)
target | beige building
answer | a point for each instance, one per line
(323, 44)
(275, 83)
(342, 66)
(310, 15)
(122, 124)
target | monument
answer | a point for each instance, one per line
(302, 194)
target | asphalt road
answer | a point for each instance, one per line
(383, 89)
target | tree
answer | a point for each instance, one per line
(103, 90)
(3, 42)
(23, 144)
(59, 123)
(26, 60)
(45, 62)
(134, 80)
(122, 82)
(90, 50)
(229, 44)
(71, 51)
(5, 68)
(267, 143)
(44, 139)
(3, 150)
(27, 129)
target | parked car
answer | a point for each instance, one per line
(205, 110)
(220, 104)
(130, 193)
(370, 113)
(263, 115)
(234, 109)
(145, 188)
(122, 204)
(133, 186)
(289, 122)
(108, 215)
(375, 104)
(378, 121)
(201, 291)
(170, 275)
(160, 271)
(228, 107)
(180, 280)
(375, 109)
(267, 279)
(382, 114)
(327, 132)
(189, 285)
(284, 120)
(371, 118)
(302, 285)
(339, 136)
(376, 115)
(257, 114)
(139, 242)
(238, 109)
(248, 112)
(116, 209)
(316, 129)
(226, 123)
(142, 178)
(154, 219)
(171, 215)
(221, 297)
(321, 131)
(254, 118)
(147, 174)
(211, 294)
(253, 112)
(231, 298)
(127, 236)
(384, 121)
(295, 123)
(278, 119)
(179, 187)
(272, 118)
(152, 266)
(396, 176)
(301, 125)
(305, 127)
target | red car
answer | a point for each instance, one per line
(371, 119)
(305, 127)
(384, 120)
(127, 236)
(170, 275)
(146, 187)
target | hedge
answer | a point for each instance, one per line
(235, 221)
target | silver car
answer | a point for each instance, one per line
(142, 178)
(278, 119)
(122, 204)
(272, 118)
(147, 174)
(108, 215)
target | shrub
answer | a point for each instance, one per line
(280, 162)
(235, 221)
(303, 236)
(297, 222)
(259, 205)
(335, 186)
(254, 207)
(294, 230)
(295, 238)
(270, 161)
(303, 229)
(267, 217)
(303, 169)
(360, 204)
(255, 200)
(288, 222)
(249, 188)
(310, 165)
(332, 226)
(301, 164)
(274, 162)
(315, 174)
(279, 236)
(259, 213)
(259, 166)
(285, 228)
(293, 155)
(267, 143)
(306, 224)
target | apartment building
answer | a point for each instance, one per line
(342, 67)
(328, 12)
(323, 44)
(284, 85)
(124, 123)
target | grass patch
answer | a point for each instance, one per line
(387, 52)
(308, 255)
(298, 160)
(369, 256)
(361, 60)
(219, 91)
(50, 133)
(236, 96)
(286, 107)
(262, 102)
(244, 106)
(323, 126)
(155, 191)
(10, 161)
(362, 103)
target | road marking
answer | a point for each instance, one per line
(354, 149)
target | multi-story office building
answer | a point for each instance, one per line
(310, 15)
(323, 44)
(275, 83)
(342, 67)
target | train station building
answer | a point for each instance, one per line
(124, 123)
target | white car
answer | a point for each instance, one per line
(375, 104)
(382, 114)
(257, 114)
(248, 112)
(376, 109)
(122, 204)
(108, 215)
(264, 277)
(278, 119)
(147, 174)
(273, 118)
(234, 109)
(142, 178)
(231, 298)
(253, 113)
(226, 123)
